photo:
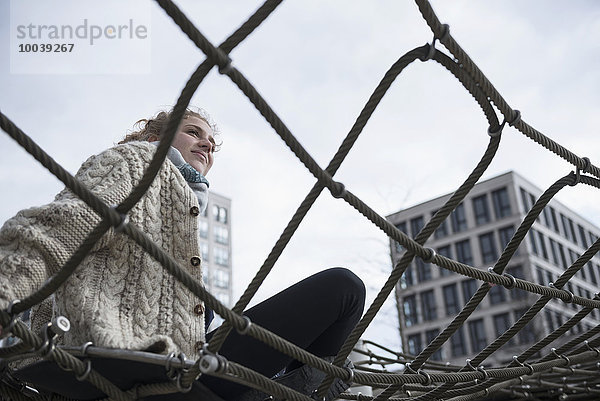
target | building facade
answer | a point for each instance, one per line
(429, 297)
(215, 245)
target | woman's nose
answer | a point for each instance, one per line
(205, 144)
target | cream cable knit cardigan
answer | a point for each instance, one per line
(119, 297)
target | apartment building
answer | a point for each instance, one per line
(215, 245)
(429, 297)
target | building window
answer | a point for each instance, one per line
(567, 224)
(582, 237)
(517, 272)
(415, 345)
(428, 305)
(459, 219)
(550, 321)
(563, 256)
(501, 203)
(204, 250)
(402, 227)
(542, 243)
(547, 218)
(540, 275)
(591, 272)
(457, 343)
(469, 288)
(538, 243)
(203, 228)
(451, 299)
(447, 252)
(506, 234)
(220, 214)
(221, 235)
(221, 256)
(554, 219)
(430, 335)
(463, 252)
(481, 210)
(423, 270)
(497, 294)
(407, 278)
(221, 278)
(416, 225)
(501, 324)
(527, 334)
(442, 230)
(223, 297)
(477, 334)
(554, 252)
(573, 256)
(526, 200)
(559, 318)
(487, 245)
(533, 242)
(410, 311)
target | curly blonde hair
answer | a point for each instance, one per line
(145, 129)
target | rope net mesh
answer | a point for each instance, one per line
(568, 372)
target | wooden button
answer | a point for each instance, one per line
(199, 309)
(194, 210)
(195, 260)
(198, 346)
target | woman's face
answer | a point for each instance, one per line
(194, 140)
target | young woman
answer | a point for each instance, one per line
(119, 297)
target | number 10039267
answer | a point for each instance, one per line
(46, 47)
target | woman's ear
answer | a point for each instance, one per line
(153, 138)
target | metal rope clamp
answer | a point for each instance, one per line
(428, 380)
(432, 49)
(226, 68)
(88, 369)
(409, 369)
(338, 190)
(7, 331)
(561, 356)
(124, 220)
(350, 379)
(58, 326)
(243, 331)
(513, 281)
(175, 374)
(212, 363)
(430, 255)
(589, 347)
(586, 166)
(494, 133)
(569, 293)
(523, 364)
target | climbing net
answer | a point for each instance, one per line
(569, 371)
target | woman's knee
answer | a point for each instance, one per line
(346, 280)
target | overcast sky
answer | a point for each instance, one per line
(316, 63)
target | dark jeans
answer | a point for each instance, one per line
(317, 314)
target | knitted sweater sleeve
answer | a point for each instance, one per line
(37, 242)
